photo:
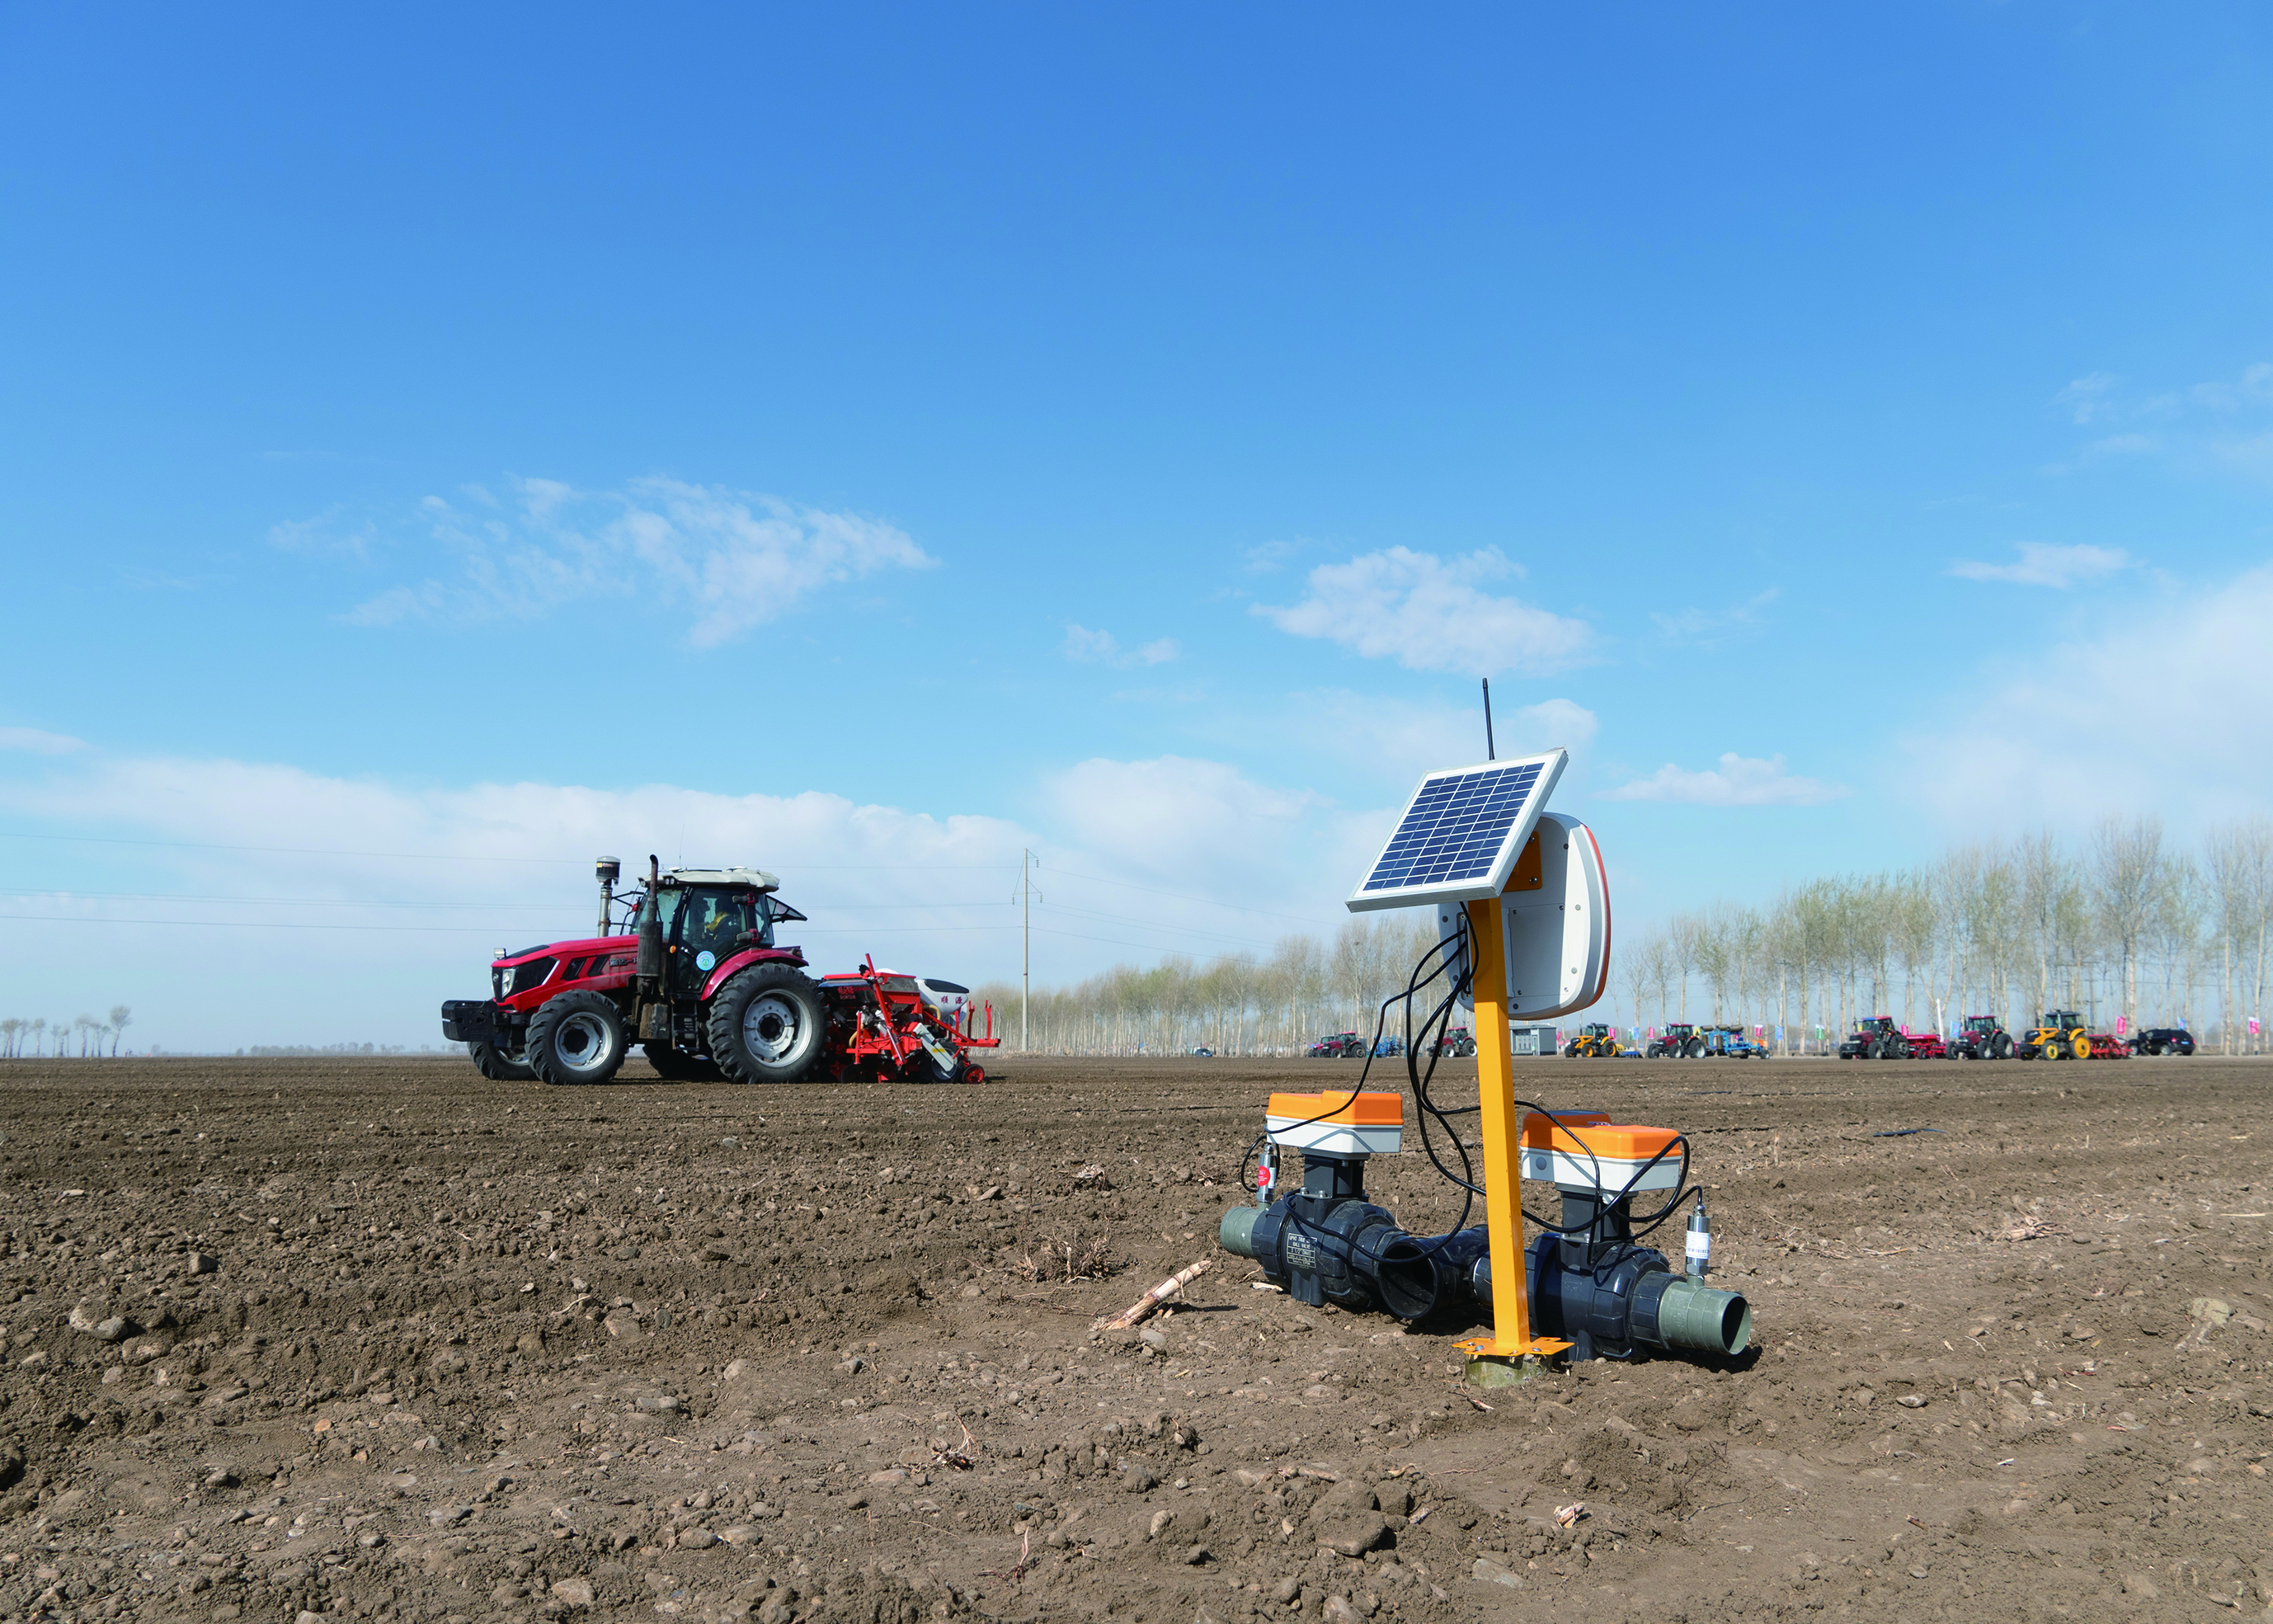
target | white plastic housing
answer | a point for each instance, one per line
(1336, 1139)
(1578, 1174)
(1557, 936)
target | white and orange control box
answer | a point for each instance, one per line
(1588, 1152)
(1337, 1124)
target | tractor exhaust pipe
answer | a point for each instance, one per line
(649, 967)
(608, 869)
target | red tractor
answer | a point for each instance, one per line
(694, 978)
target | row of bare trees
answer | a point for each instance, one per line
(2126, 926)
(92, 1034)
(1234, 1006)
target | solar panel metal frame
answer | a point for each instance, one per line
(1488, 882)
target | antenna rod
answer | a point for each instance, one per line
(1491, 754)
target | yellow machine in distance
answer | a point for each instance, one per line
(2061, 1036)
(1594, 1041)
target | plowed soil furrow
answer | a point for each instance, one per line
(378, 1339)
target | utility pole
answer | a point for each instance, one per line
(1025, 899)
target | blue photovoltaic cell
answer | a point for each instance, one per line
(1455, 828)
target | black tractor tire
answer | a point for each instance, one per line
(768, 1025)
(1570, 1051)
(1696, 1049)
(676, 1066)
(498, 1066)
(2000, 1047)
(577, 1037)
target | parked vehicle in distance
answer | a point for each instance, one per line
(1678, 1042)
(1732, 1043)
(1457, 1040)
(1927, 1046)
(1595, 1041)
(1875, 1039)
(2162, 1041)
(1338, 1046)
(1982, 1037)
(1203, 1053)
(1388, 1047)
(2060, 1035)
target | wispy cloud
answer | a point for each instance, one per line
(1086, 647)
(735, 559)
(1268, 556)
(333, 532)
(1703, 627)
(39, 742)
(2088, 399)
(1739, 781)
(2042, 564)
(1429, 614)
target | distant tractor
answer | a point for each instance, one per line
(1596, 1041)
(694, 978)
(1457, 1040)
(1982, 1037)
(1338, 1046)
(2060, 1035)
(1875, 1039)
(1678, 1042)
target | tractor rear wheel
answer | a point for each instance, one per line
(768, 1024)
(577, 1037)
(498, 1066)
(675, 1065)
(1696, 1049)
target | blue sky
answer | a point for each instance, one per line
(436, 449)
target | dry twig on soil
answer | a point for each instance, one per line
(1157, 1296)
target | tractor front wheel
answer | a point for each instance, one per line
(497, 1065)
(577, 1037)
(768, 1026)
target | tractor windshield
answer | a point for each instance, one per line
(712, 924)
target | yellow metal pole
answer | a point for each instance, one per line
(1511, 1337)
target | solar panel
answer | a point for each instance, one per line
(1460, 833)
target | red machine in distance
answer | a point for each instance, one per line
(694, 976)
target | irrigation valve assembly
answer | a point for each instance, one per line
(1524, 914)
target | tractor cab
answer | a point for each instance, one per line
(708, 915)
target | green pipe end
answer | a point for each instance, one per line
(1237, 1232)
(1707, 1319)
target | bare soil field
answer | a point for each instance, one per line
(377, 1339)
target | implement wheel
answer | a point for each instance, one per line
(768, 1024)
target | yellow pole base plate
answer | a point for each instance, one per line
(1490, 1370)
(1492, 1348)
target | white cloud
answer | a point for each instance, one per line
(1429, 614)
(1086, 647)
(2043, 564)
(2088, 399)
(329, 531)
(1739, 781)
(420, 884)
(734, 559)
(2172, 707)
(1203, 823)
(1712, 628)
(38, 742)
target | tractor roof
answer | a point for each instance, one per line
(756, 878)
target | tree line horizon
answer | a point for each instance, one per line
(2123, 924)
